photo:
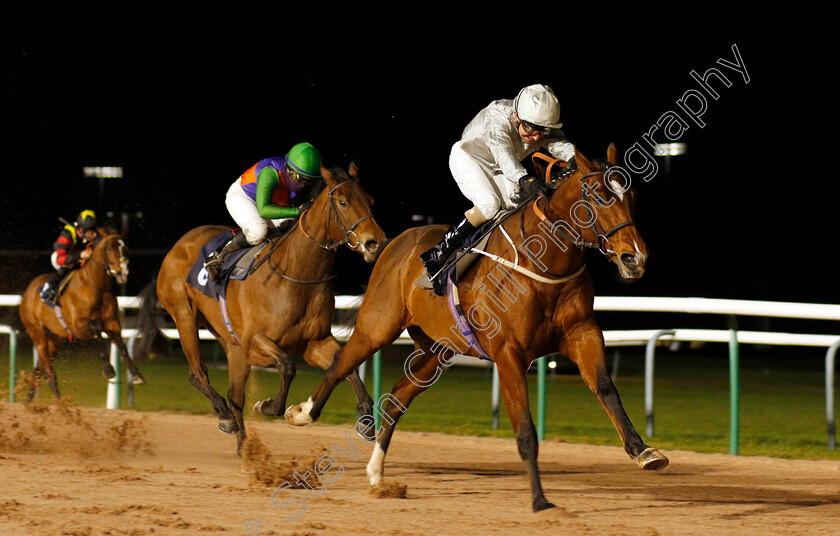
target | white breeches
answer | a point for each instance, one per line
(488, 191)
(244, 212)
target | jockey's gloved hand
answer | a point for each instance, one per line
(305, 205)
(532, 187)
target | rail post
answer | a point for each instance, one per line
(734, 402)
(12, 358)
(829, 392)
(541, 398)
(650, 348)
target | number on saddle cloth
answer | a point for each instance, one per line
(235, 266)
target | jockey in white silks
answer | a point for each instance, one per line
(487, 164)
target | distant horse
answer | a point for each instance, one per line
(285, 307)
(525, 303)
(85, 308)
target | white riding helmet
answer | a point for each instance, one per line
(538, 105)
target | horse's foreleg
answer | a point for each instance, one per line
(113, 329)
(585, 346)
(322, 353)
(423, 372)
(514, 388)
(104, 354)
(347, 359)
(263, 350)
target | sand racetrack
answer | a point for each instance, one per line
(81, 471)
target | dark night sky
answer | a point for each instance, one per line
(185, 106)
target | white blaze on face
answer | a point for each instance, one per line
(618, 189)
(123, 259)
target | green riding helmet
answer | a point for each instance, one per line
(304, 161)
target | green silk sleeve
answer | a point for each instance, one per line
(267, 181)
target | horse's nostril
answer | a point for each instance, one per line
(629, 259)
(371, 245)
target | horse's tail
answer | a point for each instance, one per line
(152, 340)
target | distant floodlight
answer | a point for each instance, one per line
(552, 364)
(669, 149)
(103, 172)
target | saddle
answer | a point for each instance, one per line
(236, 265)
(61, 286)
(460, 262)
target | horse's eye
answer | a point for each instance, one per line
(342, 202)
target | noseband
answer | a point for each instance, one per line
(350, 237)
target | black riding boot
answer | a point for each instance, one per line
(50, 288)
(434, 258)
(214, 261)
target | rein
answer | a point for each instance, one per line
(105, 268)
(348, 232)
(602, 237)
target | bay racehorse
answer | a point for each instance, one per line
(522, 302)
(86, 307)
(284, 308)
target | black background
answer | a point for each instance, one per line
(186, 103)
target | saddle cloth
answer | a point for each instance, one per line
(236, 265)
(463, 259)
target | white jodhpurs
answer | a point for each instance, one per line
(489, 192)
(244, 212)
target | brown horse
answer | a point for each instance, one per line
(88, 307)
(543, 305)
(285, 307)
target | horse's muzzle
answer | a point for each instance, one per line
(371, 248)
(631, 266)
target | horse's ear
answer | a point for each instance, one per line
(612, 155)
(328, 176)
(582, 163)
(354, 171)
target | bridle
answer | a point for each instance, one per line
(350, 237)
(106, 266)
(602, 237)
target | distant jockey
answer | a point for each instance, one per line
(70, 249)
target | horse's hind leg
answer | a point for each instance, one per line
(586, 348)
(425, 368)
(45, 363)
(188, 332)
(514, 387)
(238, 370)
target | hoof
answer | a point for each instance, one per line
(228, 426)
(108, 372)
(259, 406)
(138, 380)
(542, 504)
(652, 460)
(296, 416)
